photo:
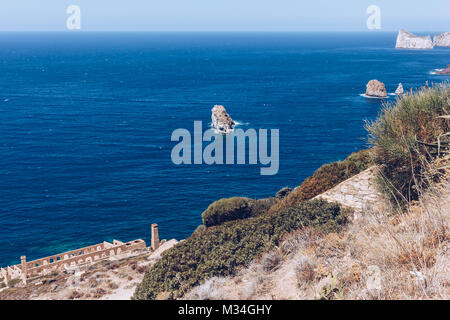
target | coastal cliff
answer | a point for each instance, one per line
(383, 252)
(322, 240)
(307, 246)
(442, 40)
(407, 40)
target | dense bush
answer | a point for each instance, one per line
(261, 206)
(283, 193)
(221, 250)
(326, 177)
(200, 228)
(395, 135)
(229, 209)
(226, 210)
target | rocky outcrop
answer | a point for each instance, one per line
(407, 40)
(442, 40)
(399, 90)
(221, 120)
(445, 71)
(376, 89)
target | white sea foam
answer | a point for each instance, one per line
(370, 97)
(239, 123)
(236, 124)
(435, 71)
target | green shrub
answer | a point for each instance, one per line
(283, 193)
(261, 206)
(229, 209)
(221, 250)
(395, 135)
(326, 177)
(200, 228)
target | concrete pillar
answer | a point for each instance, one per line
(23, 262)
(155, 236)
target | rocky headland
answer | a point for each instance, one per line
(221, 120)
(407, 40)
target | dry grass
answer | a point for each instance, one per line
(410, 247)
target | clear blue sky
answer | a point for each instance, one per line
(224, 15)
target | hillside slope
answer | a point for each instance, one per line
(379, 255)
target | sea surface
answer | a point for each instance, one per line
(86, 122)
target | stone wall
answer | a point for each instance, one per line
(75, 258)
(359, 192)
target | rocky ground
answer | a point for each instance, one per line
(112, 279)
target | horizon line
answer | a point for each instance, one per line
(218, 31)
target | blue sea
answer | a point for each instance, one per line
(86, 121)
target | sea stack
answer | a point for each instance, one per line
(445, 72)
(221, 120)
(399, 90)
(407, 40)
(376, 89)
(442, 40)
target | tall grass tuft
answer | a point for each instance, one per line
(404, 136)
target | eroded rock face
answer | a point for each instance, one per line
(376, 88)
(442, 40)
(221, 120)
(446, 71)
(407, 40)
(399, 90)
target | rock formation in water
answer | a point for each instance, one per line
(399, 90)
(445, 71)
(407, 40)
(221, 120)
(376, 88)
(442, 40)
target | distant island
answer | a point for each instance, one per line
(408, 40)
